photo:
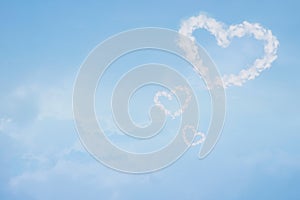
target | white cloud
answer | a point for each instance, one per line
(4, 122)
(55, 103)
(50, 101)
(224, 36)
(170, 96)
(72, 177)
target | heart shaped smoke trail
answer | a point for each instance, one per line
(223, 37)
(169, 96)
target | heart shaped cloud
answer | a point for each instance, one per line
(223, 36)
(169, 96)
(190, 140)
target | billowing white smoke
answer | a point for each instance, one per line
(223, 37)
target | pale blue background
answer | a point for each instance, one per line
(41, 48)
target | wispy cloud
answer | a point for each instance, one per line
(56, 103)
(4, 122)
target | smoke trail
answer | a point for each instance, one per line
(189, 138)
(169, 96)
(223, 37)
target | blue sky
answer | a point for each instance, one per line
(42, 46)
